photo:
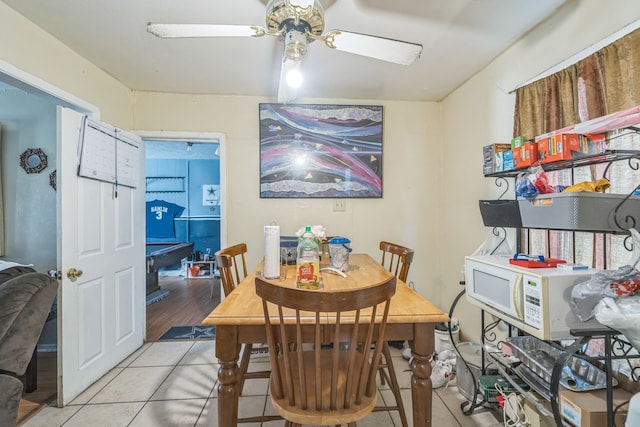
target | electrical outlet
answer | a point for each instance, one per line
(339, 205)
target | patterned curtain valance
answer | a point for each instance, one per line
(602, 83)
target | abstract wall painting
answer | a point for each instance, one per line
(320, 151)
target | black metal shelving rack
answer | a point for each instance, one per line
(615, 348)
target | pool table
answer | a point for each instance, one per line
(162, 255)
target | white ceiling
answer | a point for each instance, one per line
(460, 37)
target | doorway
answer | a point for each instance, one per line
(183, 195)
(28, 121)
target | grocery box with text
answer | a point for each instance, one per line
(553, 147)
(492, 158)
(525, 155)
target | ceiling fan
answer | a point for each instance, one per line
(298, 22)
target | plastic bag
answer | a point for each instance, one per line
(585, 296)
(635, 239)
(622, 315)
(533, 182)
(495, 244)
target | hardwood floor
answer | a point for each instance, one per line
(189, 301)
(46, 390)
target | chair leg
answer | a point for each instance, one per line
(383, 375)
(393, 383)
(244, 365)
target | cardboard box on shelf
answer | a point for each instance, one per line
(490, 157)
(525, 156)
(504, 161)
(553, 147)
(589, 408)
(518, 141)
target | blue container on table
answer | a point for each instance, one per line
(339, 250)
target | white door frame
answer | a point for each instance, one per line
(30, 84)
(218, 137)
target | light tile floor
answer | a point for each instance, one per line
(173, 383)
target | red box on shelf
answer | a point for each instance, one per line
(553, 147)
(525, 155)
(530, 263)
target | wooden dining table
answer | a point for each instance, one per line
(239, 319)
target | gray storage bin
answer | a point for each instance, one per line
(578, 211)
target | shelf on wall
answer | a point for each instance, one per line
(165, 184)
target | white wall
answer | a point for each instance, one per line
(409, 212)
(481, 112)
(31, 50)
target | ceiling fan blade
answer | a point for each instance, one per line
(204, 30)
(396, 51)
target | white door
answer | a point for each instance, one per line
(101, 232)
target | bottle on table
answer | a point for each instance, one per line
(308, 261)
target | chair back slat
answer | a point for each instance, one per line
(231, 263)
(331, 368)
(396, 259)
(276, 376)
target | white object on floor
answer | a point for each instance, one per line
(443, 339)
(447, 355)
(406, 353)
(441, 373)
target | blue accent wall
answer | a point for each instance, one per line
(181, 181)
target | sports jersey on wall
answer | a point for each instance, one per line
(160, 215)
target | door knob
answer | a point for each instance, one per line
(73, 274)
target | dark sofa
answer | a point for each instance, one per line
(26, 298)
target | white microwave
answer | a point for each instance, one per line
(534, 300)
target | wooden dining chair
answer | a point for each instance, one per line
(396, 259)
(324, 373)
(231, 264)
(231, 276)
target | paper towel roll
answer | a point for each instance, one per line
(271, 269)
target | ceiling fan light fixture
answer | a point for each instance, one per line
(293, 75)
(286, 92)
(297, 23)
(295, 45)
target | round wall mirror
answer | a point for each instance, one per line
(33, 160)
